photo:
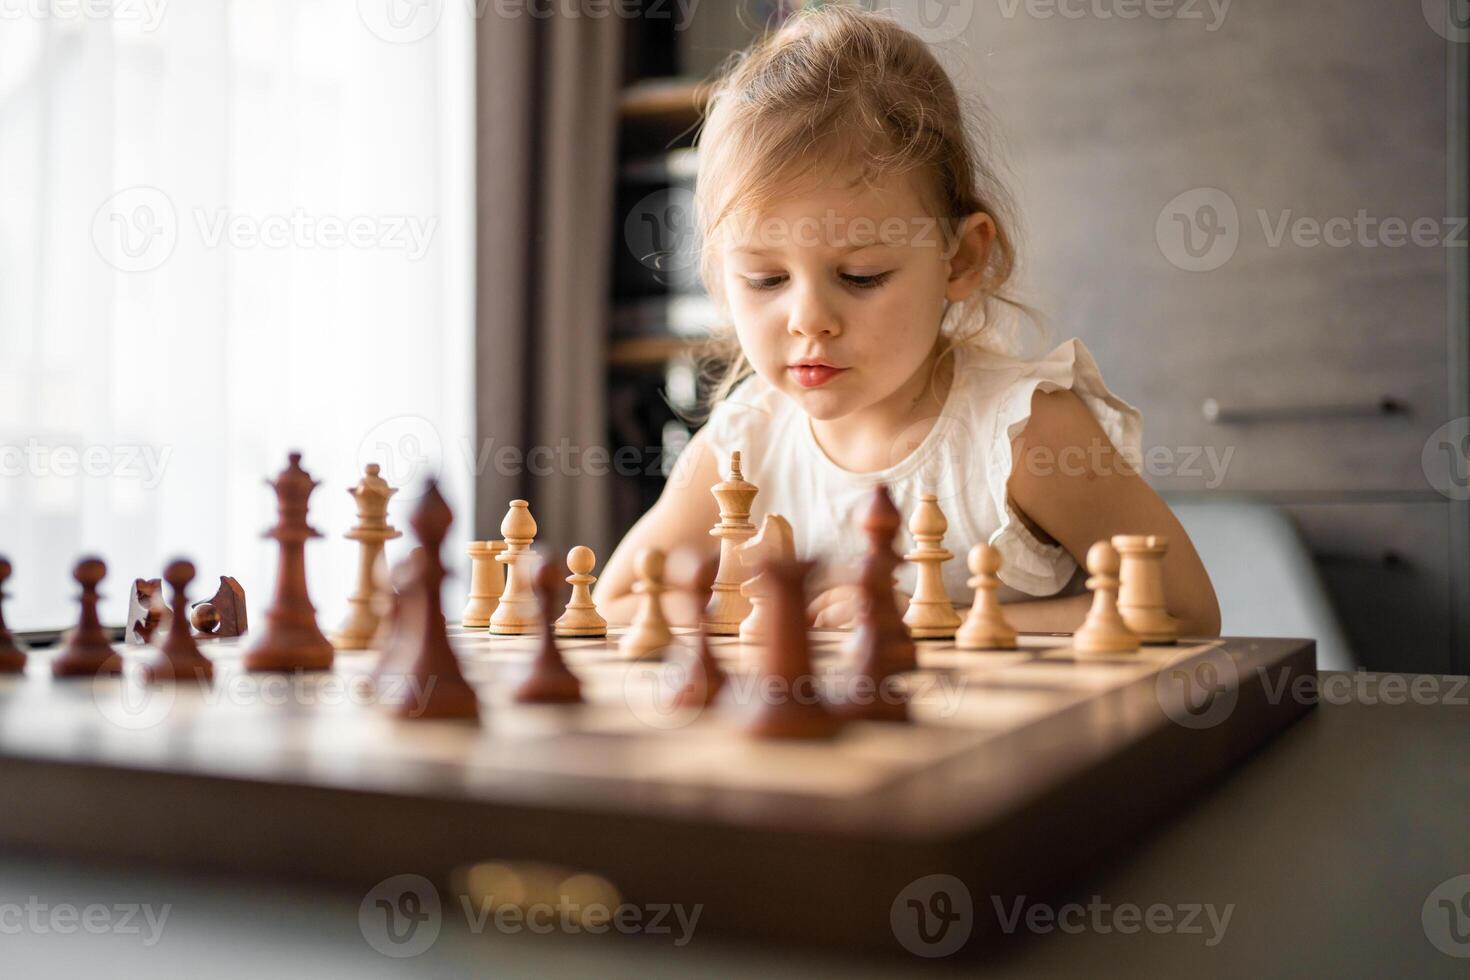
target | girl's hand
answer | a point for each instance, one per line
(839, 607)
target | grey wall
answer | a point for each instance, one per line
(1295, 109)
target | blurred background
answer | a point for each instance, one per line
(455, 237)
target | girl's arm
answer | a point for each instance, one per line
(1070, 481)
(685, 512)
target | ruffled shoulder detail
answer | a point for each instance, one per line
(1030, 565)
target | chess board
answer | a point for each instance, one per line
(1018, 769)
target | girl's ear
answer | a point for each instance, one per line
(972, 244)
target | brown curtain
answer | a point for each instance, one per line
(547, 107)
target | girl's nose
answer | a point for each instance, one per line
(810, 317)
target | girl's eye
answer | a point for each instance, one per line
(867, 282)
(766, 282)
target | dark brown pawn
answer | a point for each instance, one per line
(12, 655)
(550, 681)
(423, 679)
(178, 657)
(88, 652)
(292, 640)
(881, 627)
(871, 696)
(706, 676)
(796, 712)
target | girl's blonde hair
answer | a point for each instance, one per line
(839, 85)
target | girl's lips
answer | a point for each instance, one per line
(814, 375)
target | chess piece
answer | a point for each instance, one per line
(706, 678)
(229, 605)
(390, 588)
(204, 618)
(87, 652)
(147, 612)
(581, 617)
(292, 640)
(12, 654)
(371, 531)
(728, 605)
(776, 542)
(985, 628)
(1141, 589)
(423, 679)
(515, 614)
(178, 657)
(549, 682)
(790, 704)
(649, 632)
(880, 627)
(487, 582)
(931, 614)
(1104, 630)
(872, 694)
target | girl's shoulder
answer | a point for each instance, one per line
(1000, 388)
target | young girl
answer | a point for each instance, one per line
(863, 248)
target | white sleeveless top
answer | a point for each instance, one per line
(965, 459)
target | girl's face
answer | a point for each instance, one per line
(837, 295)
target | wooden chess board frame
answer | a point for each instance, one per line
(1027, 767)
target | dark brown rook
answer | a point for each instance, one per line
(12, 654)
(87, 652)
(550, 681)
(292, 640)
(422, 678)
(790, 705)
(178, 657)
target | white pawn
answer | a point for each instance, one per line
(581, 617)
(1104, 630)
(517, 613)
(985, 628)
(775, 543)
(649, 632)
(931, 614)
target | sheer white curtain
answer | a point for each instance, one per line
(227, 229)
